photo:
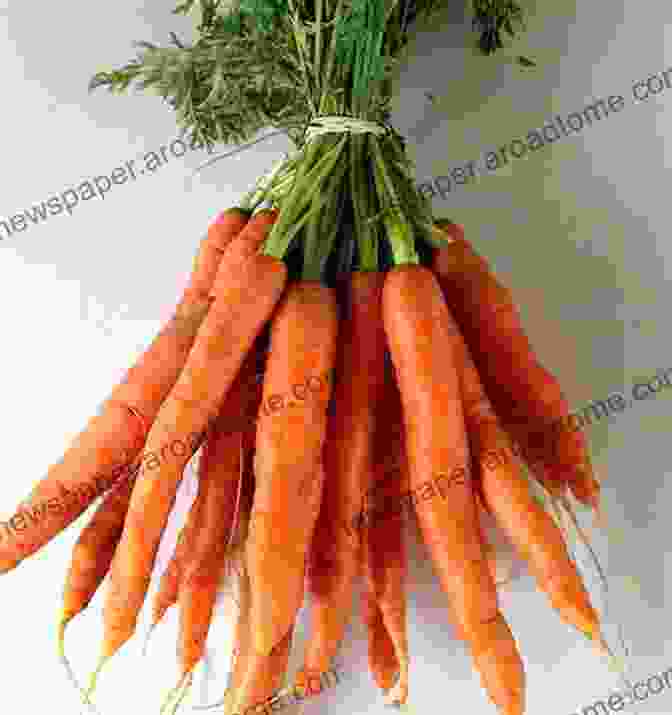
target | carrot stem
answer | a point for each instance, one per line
(361, 202)
(399, 232)
(305, 189)
(312, 270)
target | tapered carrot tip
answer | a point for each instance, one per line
(599, 515)
(592, 501)
(398, 695)
(64, 619)
(599, 643)
(499, 565)
(600, 521)
(177, 694)
(513, 707)
(386, 675)
(308, 683)
(8, 565)
(577, 612)
(94, 676)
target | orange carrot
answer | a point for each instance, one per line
(220, 472)
(211, 546)
(112, 439)
(236, 570)
(169, 586)
(384, 560)
(92, 554)
(167, 593)
(91, 559)
(348, 462)
(524, 394)
(246, 290)
(242, 638)
(507, 497)
(383, 661)
(291, 429)
(421, 344)
(264, 675)
(255, 678)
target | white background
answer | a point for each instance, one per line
(580, 229)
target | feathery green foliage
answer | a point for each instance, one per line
(347, 201)
(255, 64)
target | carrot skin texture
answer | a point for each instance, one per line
(220, 472)
(507, 497)
(113, 438)
(167, 592)
(537, 539)
(94, 550)
(264, 675)
(243, 645)
(383, 661)
(421, 344)
(255, 677)
(384, 558)
(511, 372)
(169, 586)
(334, 553)
(287, 463)
(248, 285)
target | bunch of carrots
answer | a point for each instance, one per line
(382, 338)
(421, 363)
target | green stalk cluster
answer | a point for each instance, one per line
(347, 201)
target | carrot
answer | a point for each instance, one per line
(213, 548)
(93, 552)
(246, 290)
(264, 675)
(220, 474)
(255, 678)
(525, 395)
(384, 558)
(499, 560)
(243, 423)
(291, 430)
(91, 559)
(507, 497)
(243, 643)
(169, 586)
(90, 562)
(421, 345)
(383, 661)
(241, 636)
(348, 461)
(112, 439)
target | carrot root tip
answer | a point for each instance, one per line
(7, 566)
(68, 668)
(175, 697)
(398, 694)
(93, 681)
(65, 618)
